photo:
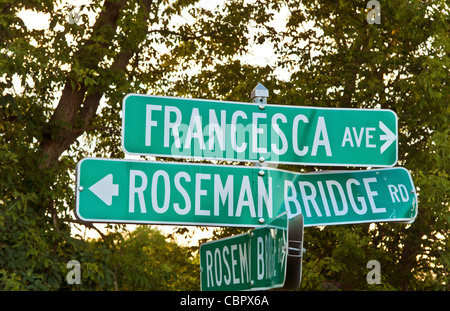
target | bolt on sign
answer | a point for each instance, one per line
(220, 130)
(154, 192)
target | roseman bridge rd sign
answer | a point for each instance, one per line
(207, 129)
(154, 192)
(267, 257)
(256, 260)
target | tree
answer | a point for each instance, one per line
(401, 64)
(144, 260)
(62, 87)
(61, 92)
(335, 58)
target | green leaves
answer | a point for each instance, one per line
(61, 90)
(338, 60)
(144, 260)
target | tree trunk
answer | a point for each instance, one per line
(77, 106)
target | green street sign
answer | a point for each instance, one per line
(147, 192)
(219, 130)
(256, 260)
(351, 197)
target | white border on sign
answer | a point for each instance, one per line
(255, 160)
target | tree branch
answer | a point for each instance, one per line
(76, 108)
(350, 82)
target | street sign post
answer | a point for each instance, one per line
(219, 130)
(256, 260)
(153, 192)
(295, 254)
(278, 203)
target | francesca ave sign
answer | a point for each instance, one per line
(206, 129)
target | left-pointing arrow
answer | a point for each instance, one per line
(104, 189)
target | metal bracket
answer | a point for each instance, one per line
(295, 249)
(295, 254)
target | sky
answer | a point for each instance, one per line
(259, 55)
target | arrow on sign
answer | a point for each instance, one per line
(104, 189)
(388, 136)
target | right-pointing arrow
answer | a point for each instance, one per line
(104, 189)
(388, 136)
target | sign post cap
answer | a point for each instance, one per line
(260, 94)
